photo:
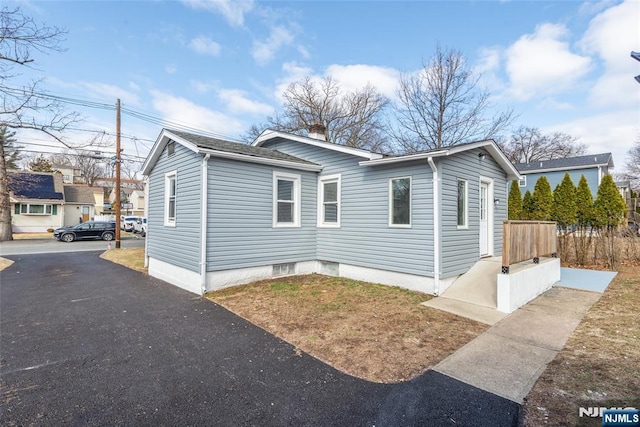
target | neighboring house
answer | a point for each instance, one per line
(37, 201)
(136, 200)
(223, 213)
(592, 166)
(70, 174)
(82, 203)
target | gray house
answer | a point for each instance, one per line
(222, 213)
(593, 166)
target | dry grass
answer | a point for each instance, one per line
(599, 366)
(375, 332)
(4, 263)
(132, 258)
(26, 236)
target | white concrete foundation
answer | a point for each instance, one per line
(239, 276)
(180, 277)
(390, 278)
(525, 282)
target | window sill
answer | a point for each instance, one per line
(286, 226)
(400, 226)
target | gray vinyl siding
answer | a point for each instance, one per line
(240, 217)
(364, 238)
(179, 245)
(460, 247)
(556, 178)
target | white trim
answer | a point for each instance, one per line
(560, 169)
(436, 226)
(297, 184)
(390, 222)
(490, 213)
(465, 226)
(327, 179)
(204, 210)
(261, 160)
(489, 145)
(269, 134)
(167, 178)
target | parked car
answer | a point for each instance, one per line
(127, 222)
(141, 226)
(86, 230)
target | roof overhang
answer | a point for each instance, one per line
(560, 169)
(489, 145)
(166, 136)
(269, 135)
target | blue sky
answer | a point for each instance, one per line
(221, 66)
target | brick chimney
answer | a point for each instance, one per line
(317, 131)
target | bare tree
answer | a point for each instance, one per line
(90, 162)
(632, 166)
(352, 118)
(442, 105)
(25, 107)
(528, 144)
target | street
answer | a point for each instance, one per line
(46, 246)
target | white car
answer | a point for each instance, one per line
(127, 222)
(141, 226)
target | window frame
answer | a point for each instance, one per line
(391, 204)
(297, 180)
(168, 221)
(329, 179)
(523, 182)
(47, 209)
(465, 225)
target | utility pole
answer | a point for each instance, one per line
(118, 174)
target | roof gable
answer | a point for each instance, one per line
(79, 194)
(216, 147)
(31, 185)
(578, 162)
(269, 135)
(488, 144)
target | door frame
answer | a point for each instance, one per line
(488, 182)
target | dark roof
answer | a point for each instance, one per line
(79, 194)
(31, 185)
(236, 147)
(580, 162)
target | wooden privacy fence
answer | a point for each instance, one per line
(524, 240)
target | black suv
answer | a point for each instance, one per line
(86, 230)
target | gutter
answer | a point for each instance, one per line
(436, 227)
(203, 224)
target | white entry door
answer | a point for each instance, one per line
(484, 219)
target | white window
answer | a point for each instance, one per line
(462, 204)
(286, 200)
(329, 201)
(170, 187)
(35, 209)
(523, 181)
(400, 202)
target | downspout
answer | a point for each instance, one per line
(146, 213)
(203, 224)
(436, 227)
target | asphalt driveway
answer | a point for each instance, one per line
(87, 342)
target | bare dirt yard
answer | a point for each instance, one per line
(375, 332)
(600, 364)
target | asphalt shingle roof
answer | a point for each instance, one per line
(588, 160)
(79, 194)
(237, 148)
(29, 185)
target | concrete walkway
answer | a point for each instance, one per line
(510, 356)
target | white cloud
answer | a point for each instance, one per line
(108, 91)
(238, 103)
(170, 69)
(353, 77)
(264, 51)
(611, 132)
(204, 46)
(611, 36)
(203, 87)
(488, 67)
(232, 10)
(185, 112)
(542, 63)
